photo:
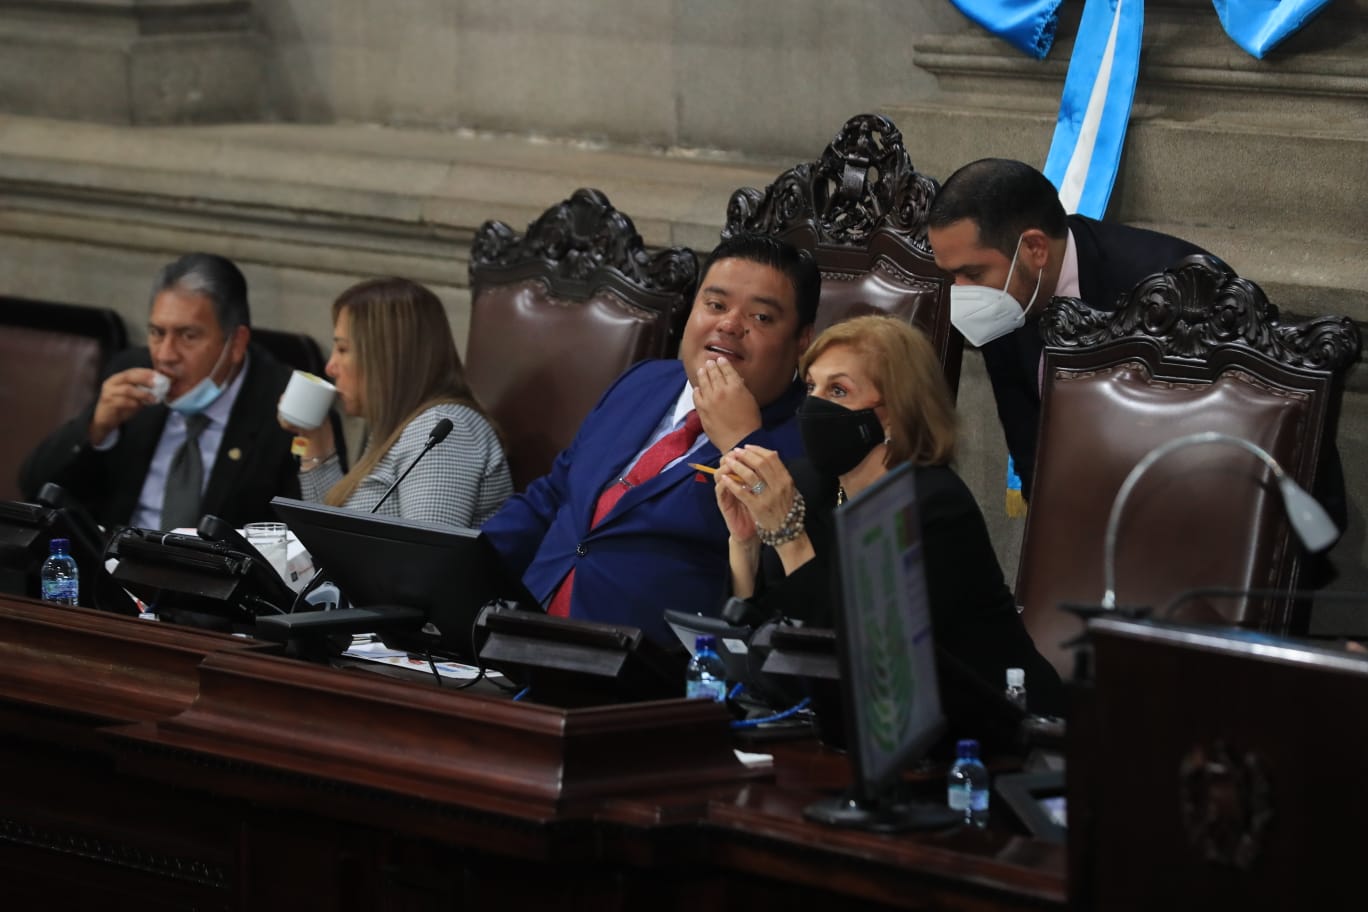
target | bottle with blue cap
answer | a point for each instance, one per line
(705, 676)
(967, 791)
(61, 581)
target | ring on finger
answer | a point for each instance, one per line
(758, 488)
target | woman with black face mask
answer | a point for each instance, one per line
(876, 398)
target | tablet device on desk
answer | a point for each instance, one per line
(382, 563)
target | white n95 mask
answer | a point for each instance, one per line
(983, 314)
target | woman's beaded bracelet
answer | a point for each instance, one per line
(791, 528)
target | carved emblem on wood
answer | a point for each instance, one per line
(863, 180)
(1225, 804)
(581, 236)
(1197, 306)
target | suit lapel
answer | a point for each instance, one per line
(676, 474)
(1090, 266)
(604, 459)
(240, 436)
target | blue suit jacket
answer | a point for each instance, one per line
(665, 543)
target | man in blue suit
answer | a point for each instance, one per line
(600, 539)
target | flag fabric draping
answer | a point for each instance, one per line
(1095, 106)
(1028, 25)
(1258, 25)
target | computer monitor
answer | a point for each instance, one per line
(420, 586)
(887, 658)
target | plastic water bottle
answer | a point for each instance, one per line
(967, 791)
(705, 677)
(1016, 687)
(61, 580)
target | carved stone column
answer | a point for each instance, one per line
(131, 61)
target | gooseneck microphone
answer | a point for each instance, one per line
(438, 434)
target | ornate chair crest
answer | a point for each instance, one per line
(580, 245)
(1198, 306)
(861, 209)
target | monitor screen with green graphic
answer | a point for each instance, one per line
(893, 707)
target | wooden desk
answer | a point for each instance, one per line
(1218, 769)
(166, 768)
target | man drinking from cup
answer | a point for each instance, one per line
(185, 426)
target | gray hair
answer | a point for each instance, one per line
(216, 278)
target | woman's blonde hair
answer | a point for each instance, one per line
(406, 357)
(905, 370)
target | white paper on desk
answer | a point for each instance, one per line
(376, 650)
(755, 761)
(387, 656)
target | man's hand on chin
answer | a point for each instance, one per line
(726, 408)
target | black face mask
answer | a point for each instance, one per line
(835, 437)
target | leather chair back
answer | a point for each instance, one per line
(1194, 349)
(861, 210)
(299, 351)
(51, 359)
(558, 313)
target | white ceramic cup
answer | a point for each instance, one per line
(307, 400)
(272, 540)
(161, 385)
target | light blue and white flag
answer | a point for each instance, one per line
(1095, 106)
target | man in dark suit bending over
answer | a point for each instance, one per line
(207, 443)
(998, 227)
(622, 528)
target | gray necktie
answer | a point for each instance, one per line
(185, 478)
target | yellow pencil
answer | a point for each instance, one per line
(711, 470)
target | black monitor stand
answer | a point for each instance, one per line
(321, 635)
(883, 814)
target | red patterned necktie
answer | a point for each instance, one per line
(663, 452)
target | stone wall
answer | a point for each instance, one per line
(764, 77)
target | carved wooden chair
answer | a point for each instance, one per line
(51, 360)
(861, 210)
(558, 313)
(300, 351)
(1195, 348)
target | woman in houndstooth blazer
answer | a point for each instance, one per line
(395, 365)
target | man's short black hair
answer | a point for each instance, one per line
(1003, 198)
(216, 278)
(796, 264)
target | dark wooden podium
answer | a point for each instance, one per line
(158, 768)
(1216, 768)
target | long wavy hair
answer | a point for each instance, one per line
(905, 370)
(406, 357)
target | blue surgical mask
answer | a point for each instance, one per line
(203, 394)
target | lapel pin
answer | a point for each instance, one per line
(235, 454)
